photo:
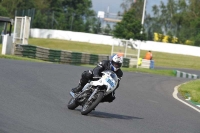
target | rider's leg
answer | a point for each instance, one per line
(109, 98)
(86, 76)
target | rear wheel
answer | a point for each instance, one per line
(90, 105)
(72, 104)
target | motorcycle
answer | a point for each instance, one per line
(93, 92)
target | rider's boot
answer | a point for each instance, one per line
(77, 89)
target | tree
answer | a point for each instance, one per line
(40, 20)
(97, 26)
(10, 6)
(77, 12)
(129, 27)
(137, 5)
(107, 29)
(197, 40)
(3, 11)
(126, 5)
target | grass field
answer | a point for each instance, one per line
(161, 59)
(191, 89)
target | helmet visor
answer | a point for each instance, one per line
(116, 65)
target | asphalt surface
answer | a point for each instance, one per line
(34, 97)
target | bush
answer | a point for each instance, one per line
(197, 40)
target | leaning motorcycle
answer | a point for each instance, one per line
(93, 92)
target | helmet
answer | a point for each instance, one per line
(116, 62)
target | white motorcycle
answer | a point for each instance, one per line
(93, 92)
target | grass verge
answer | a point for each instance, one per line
(19, 58)
(191, 89)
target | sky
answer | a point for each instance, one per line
(114, 5)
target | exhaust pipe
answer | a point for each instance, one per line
(72, 94)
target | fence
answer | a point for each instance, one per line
(71, 21)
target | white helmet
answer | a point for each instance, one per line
(116, 62)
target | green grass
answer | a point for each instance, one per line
(71, 46)
(191, 89)
(161, 59)
(151, 71)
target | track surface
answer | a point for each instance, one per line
(33, 99)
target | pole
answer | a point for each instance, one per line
(126, 48)
(52, 20)
(112, 49)
(143, 14)
(144, 9)
(72, 21)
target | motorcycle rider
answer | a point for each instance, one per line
(114, 64)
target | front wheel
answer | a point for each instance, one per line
(72, 104)
(90, 105)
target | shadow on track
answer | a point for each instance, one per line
(99, 114)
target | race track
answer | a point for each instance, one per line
(33, 99)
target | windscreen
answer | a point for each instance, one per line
(112, 74)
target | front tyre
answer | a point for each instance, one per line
(72, 104)
(90, 105)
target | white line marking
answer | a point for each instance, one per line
(176, 97)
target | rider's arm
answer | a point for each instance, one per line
(98, 69)
(119, 75)
(117, 84)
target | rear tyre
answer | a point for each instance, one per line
(72, 104)
(90, 105)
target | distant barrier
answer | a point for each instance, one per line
(186, 75)
(69, 57)
(60, 56)
(109, 40)
(146, 63)
(63, 56)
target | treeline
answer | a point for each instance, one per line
(176, 18)
(179, 18)
(74, 15)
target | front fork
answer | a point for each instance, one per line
(92, 95)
